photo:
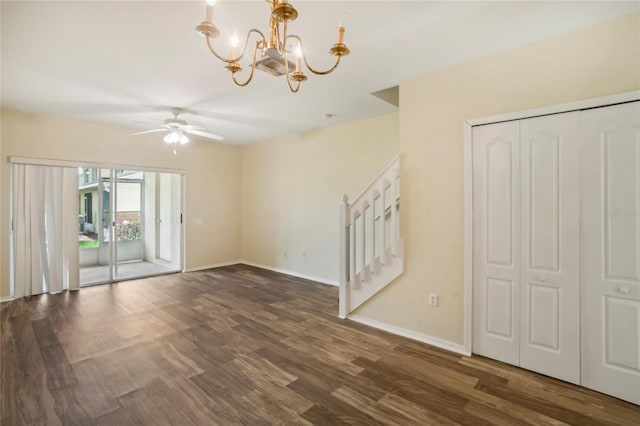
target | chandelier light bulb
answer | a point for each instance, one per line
(235, 40)
(211, 3)
(343, 20)
(183, 139)
(299, 51)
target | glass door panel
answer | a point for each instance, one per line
(93, 220)
(129, 195)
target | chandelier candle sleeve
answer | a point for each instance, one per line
(234, 43)
(298, 58)
(270, 49)
(210, 4)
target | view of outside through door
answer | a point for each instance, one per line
(129, 224)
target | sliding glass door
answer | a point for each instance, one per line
(130, 224)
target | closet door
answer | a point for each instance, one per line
(611, 250)
(496, 260)
(550, 237)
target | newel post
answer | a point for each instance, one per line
(343, 258)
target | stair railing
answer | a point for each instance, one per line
(370, 252)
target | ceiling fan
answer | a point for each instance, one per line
(177, 129)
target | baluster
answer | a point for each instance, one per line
(355, 281)
(363, 246)
(383, 226)
(374, 263)
(397, 205)
(394, 215)
(344, 260)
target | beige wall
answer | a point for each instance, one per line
(212, 177)
(599, 60)
(292, 187)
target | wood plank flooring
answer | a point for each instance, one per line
(240, 345)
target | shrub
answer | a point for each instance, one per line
(128, 231)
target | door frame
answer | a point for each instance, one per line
(468, 125)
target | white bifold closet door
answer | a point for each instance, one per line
(496, 242)
(611, 250)
(526, 244)
(550, 246)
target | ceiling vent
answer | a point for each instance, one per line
(274, 66)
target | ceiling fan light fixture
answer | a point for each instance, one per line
(174, 137)
(277, 46)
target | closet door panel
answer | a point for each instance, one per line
(550, 235)
(496, 227)
(611, 250)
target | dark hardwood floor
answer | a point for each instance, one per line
(240, 345)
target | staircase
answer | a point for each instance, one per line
(370, 244)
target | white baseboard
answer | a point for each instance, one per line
(217, 265)
(269, 268)
(6, 299)
(292, 273)
(430, 340)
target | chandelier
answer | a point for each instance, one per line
(270, 54)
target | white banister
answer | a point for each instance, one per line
(362, 276)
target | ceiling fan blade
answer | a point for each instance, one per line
(148, 131)
(204, 134)
(192, 127)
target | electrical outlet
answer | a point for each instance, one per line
(433, 299)
(304, 254)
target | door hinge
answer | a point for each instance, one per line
(181, 218)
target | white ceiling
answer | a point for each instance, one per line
(126, 63)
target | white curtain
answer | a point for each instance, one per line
(45, 229)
